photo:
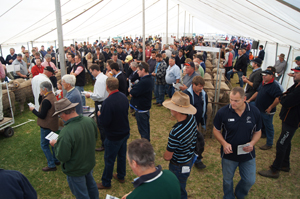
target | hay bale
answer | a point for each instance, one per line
(5, 102)
(222, 77)
(207, 77)
(23, 93)
(210, 95)
(208, 86)
(207, 70)
(208, 64)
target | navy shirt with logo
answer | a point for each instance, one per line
(238, 130)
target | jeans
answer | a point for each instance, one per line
(83, 186)
(142, 120)
(51, 159)
(81, 89)
(283, 147)
(170, 90)
(159, 92)
(239, 73)
(268, 128)
(182, 177)
(114, 149)
(247, 172)
(101, 128)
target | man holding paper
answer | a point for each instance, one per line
(237, 127)
(47, 122)
(98, 96)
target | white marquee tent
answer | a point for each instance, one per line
(273, 22)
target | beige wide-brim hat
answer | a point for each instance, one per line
(63, 105)
(180, 102)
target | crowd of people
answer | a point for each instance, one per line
(124, 83)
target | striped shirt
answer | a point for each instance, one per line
(182, 140)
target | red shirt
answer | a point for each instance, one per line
(35, 70)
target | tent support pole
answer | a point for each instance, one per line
(28, 47)
(189, 24)
(287, 59)
(178, 23)
(167, 7)
(276, 52)
(56, 60)
(144, 57)
(184, 23)
(1, 51)
(60, 40)
(74, 46)
(256, 49)
(31, 44)
(192, 25)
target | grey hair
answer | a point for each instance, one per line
(134, 64)
(47, 56)
(46, 85)
(141, 151)
(69, 79)
(196, 65)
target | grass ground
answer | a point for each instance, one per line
(22, 152)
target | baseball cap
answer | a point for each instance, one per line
(267, 72)
(257, 60)
(128, 58)
(297, 58)
(191, 64)
(49, 68)
(297, 69)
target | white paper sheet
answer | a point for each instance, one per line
(52, 136)
(240, 150)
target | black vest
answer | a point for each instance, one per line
(80, 79)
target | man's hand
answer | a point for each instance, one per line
(31, 108)
(53, 58)
(268, 110)
(153, 74)
(233, 70)
(248, 148)
(184, 87)
(98, 113)
(227, 148)
(245, 79)
(52, 142)
(87, 95)
(10, 61)
(124, 197)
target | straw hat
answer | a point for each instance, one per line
(180, 102)
(63, 105)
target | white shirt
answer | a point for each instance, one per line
(100, 92)
(35, 84)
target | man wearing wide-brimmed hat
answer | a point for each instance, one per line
(75, 148)
(182, 138)
(280, 66)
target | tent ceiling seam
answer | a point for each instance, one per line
(70, 19)
(11, 8)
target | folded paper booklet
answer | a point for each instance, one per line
(240, 150)
(177, 85)
(52, 136)
(110, 197)
(86, 92)
(31, 104)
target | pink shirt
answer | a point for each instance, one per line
(78, 69)
(45, 64)
(2, 71)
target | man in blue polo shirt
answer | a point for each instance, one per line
(237, 127)
(266, 99)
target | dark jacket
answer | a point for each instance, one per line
(80, 79)
(142, 93)
(241, 63)
(290, 111)
(160, 78)
(102, 58)
(135, 54)
(261, 55)
(256, 79)
(14, 184)
(122, 83)
(114, 116)
(179, 61)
